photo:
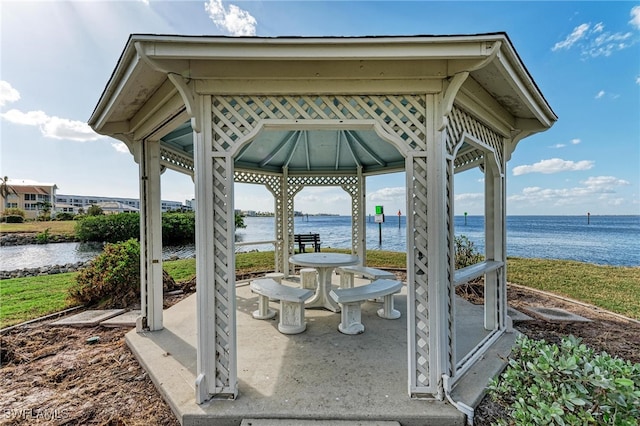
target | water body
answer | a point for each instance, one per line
(606, 240)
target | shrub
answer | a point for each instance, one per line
(43, 237)
(178, 227)
(567, 384)
(112, 279)
(111, 228)
(466, 253)
(13, 211)
(14, 219)
(64, 216)
(94, 210)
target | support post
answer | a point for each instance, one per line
(150, 238)
(494, 247)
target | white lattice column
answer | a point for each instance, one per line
(495, 282)
(215, 264)
(150, 237)
(429, 293)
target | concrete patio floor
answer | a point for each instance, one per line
(320, 374)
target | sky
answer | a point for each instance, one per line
(56, 58)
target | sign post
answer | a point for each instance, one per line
(379, 219)
(399, 214)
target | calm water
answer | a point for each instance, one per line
(607, 240)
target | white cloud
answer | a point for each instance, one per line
(236, 21)
(578, 33)
(553, 165)
(388, 194)
(470, 196)
(600, 94)
(7, 93)
(120, 147)
(595, 190)
(604, 183)
(638, 80)
(635, 17)
(575, 141)
(595, 41)
(53, 127)
(558, 145)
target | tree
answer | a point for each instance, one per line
(240, 221)
(5, 190)
(94, 210)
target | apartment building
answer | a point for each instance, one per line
(35, 198)
(30, 196)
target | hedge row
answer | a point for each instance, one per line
(176, 227)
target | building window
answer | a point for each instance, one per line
(29, 197)
(12, 205)
(30, 206)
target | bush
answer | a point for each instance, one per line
(14, 219)
(64, 216)
(111, 228)
(466, 253)
(567, 384)
(13, 211)
(112, 279)
(94, 210)
(178, 227)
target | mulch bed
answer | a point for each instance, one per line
(53, 375)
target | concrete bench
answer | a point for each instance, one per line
(347, 274)
(351, 300)
(291, 304)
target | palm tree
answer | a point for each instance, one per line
(5, 190)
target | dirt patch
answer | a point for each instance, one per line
(57, 376)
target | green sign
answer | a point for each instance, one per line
(379, 210)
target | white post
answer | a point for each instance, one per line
(494, 313)
(361, 217)
(150, 237)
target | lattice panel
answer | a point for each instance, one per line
(461, 122)
(176, 159)
(420, 297)
(274, 184)
(356, 211)
(223, 269)
(236, 116)
(450, 269)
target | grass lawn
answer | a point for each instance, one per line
(616, 289)
(56, 227)
(23, 299)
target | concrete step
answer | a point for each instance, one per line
(299, 422)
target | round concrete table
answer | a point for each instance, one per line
(324, 263)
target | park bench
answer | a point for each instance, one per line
(351, 300)
(303, 239)
(291, 304)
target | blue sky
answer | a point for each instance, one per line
(56, 57)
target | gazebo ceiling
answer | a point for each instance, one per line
(323, 151)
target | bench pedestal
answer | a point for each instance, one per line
(291, 317)
(387, 311)
(291, 304)
(308, 278)
(263, 312)
(350, 318)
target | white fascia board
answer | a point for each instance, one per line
(517, 76)
(163, 95)
(126, 69)
(392, 48)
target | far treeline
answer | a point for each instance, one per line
(177, 227)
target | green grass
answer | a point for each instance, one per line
(56, 227)
(22, 299)
(616, 289)
(613, 288)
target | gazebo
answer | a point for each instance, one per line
(292, 112)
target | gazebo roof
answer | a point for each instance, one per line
(142, 98)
